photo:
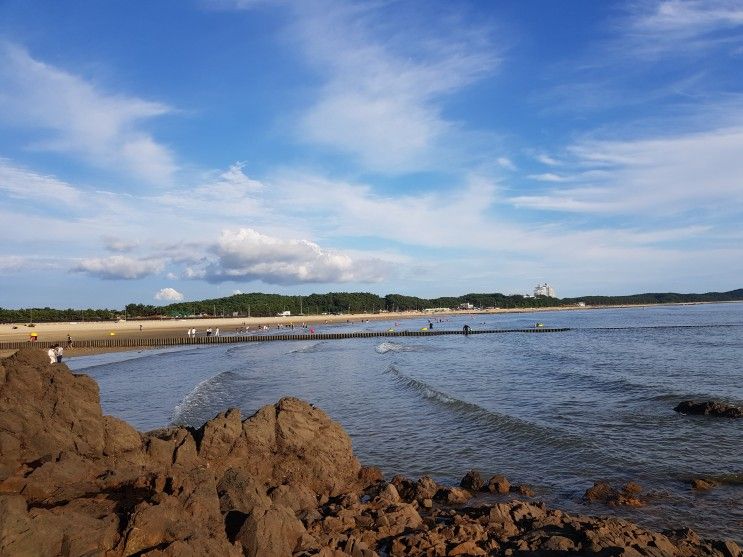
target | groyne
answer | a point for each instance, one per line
(154, 342)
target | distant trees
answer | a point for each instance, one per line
(257, 304)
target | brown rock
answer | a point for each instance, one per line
(701, 484)
(270, 532)
(523, 489)
(453, 495)
(425, 488)
(370, 475)
(472, 481)
(467, 548)
(498, 484)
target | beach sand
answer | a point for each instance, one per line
(170, 328)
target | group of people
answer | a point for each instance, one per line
(191, 333)
(55, 354)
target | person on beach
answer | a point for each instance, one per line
(209, 332)
(188, 333)
(52, 355)
(58, 353)
(140, 328)
(69, 341)
(216, 332)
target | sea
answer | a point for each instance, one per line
(557, 411)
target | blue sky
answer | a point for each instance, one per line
(156, 151)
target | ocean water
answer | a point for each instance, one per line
(557, 411)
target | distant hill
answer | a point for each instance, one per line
(258, 304)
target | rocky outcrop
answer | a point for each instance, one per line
(282, 482)
(709, 408)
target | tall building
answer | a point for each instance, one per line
(544, 290)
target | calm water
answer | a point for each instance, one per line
(557, 411)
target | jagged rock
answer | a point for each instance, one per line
(602, 492)
(284, 481)
(523, 489)
(370, 475)
(709, 408)
(405, 488)
(472, 481)
(453, 495)
(498, 484)
(425, 488)
(271, 531)
(701, 484)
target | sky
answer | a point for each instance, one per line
(153, 152)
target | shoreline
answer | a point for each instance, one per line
(168, 328)
(285, 477)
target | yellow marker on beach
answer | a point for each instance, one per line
(112, 333)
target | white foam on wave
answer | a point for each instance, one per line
(203, 397)
(385, 347)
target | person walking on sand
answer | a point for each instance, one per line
(52, 355)
(69, 341)
(216, 332)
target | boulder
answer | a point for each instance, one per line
(471, 481)
(714, 408)
(498, 484)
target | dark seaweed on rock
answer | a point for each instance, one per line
(283, 482)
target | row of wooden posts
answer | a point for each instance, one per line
(150, 342)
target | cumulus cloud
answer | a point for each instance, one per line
(246, 254)
(169, 294)
(71, 115)
(119, 267)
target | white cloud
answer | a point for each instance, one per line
(20, 183)
(663, 175)
(506, 163)
(119, 245)
(73, 116)
(119, 267)
(169, 294)
(548, 160)
(245, 254)
(381, 98)
(675, 20)
(548, 177)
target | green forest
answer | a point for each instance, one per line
(347, 303)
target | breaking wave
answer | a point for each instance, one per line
(207, 399)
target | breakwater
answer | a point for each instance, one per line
(154, 342)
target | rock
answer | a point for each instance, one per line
(370, 475)
(466, 548)
(270, 532)
(701, 484)
(523, 489)
(498, 484)
(282, 482)
(425, 488)
(405, 488)
(602, 492)
(389, 493)
(714, 408)
(453, 495)
(472, 481)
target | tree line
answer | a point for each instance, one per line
(259, 304)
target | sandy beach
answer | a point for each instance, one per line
(169, 328)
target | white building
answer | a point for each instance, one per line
(544, 290)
